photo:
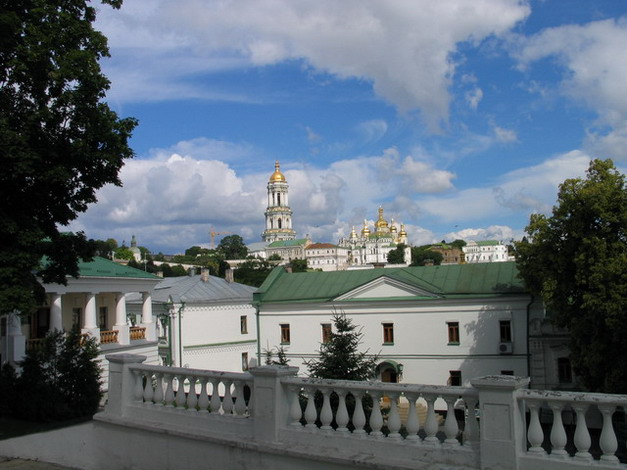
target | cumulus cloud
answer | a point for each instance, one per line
(493, 232)
(473, 97)
(401, 49)
(595, 58)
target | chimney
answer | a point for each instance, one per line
(192, 271)
(288, 268)
(204, 274)
(228, 275)
(160, 273)
(378, 265)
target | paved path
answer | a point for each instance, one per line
(19, 464)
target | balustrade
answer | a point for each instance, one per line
(137, 332)
(562, 442)
(336, 406)
(108, 336)
(188, 390)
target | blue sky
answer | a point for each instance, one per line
(459, 118)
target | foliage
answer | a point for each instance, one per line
(281, 356)
(58, 381)
(340, 358)
(397, 255)
(124, 252)
(422, 255)
(173, 271)
(252, 272)
(298, 265)
(577, 260)
(60, 142)
(458, 243)
(105, 248)
(274, 257)
(232, 247)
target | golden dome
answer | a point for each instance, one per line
(365, 231)
(381, 224)
(277, 176)
(402, 233)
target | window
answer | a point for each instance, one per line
(243, 324)
(388, 333)
(285, 333)
(506, 331)
(326, 332)
(564, 370)
(244, 361)
(103, 318)
(455, 378)
(453, 332)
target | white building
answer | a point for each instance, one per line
(372, 247)
(95, 302)
(204, 322)
(427, 324)
(326, 257)
(485, 251)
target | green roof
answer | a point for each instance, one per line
(102, 267)
(282, 243)
(448, 281)
(488, 242)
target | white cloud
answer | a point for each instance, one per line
(405, 50)
(595, 58)
(504, 135)
(493, 232)
(473, 97)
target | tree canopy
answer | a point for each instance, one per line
(576, 259)
(421, 255)
(397, 255)
(233, 247)
(59, 141)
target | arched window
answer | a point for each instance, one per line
(280, 225)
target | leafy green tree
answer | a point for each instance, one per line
(252, 272)
(340, 358)
(59, 141)
(105, 248)
(298, 265)
(124, 252)
(397, 255)
(576, 259)
(232, 247)
(422, 255)
(458, 243)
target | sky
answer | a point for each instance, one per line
(459, 118)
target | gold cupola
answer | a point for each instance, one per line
(365, 231)
(277, 176)
(381, 225)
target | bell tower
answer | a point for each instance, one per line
(278, 214)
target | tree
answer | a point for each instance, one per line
(233, 247)
(298, 265)
(422, 255)
(397, 255)
(252, 272)
(576, 259)
(59, 141)
(340, 358)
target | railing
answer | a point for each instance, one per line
(193, 390)
(137, 332)
(577, 446)
(108, 336)
(321, 406)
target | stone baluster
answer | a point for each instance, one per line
(413, 423)
(359, 417)
(376, 420)
(471, 428)
(240, 402)
(295, 410)
(326, 413)
(394, 419)
(310, 411)
(138, 391)
(169, 392)
(216, 403)
(203, 399)
(148, 391)
(451, 427)
(431, 423)
(607, 441)
(341, 417)
(558, 434)
(181, 399)
(227, 400)
(535, 434)
(158, 396)
(582, 439)
(192, 398)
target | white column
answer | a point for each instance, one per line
(151, 328)
(120, 319)
(90, 324)
(56, 313)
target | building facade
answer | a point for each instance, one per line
(326, 257)
(485, 251)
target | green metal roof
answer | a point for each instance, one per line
(448, 281)
(488, 243)
(102, 267)
(281, 243)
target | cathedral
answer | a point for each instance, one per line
(369, 248)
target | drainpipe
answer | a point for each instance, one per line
(180, 314)
(258, 334)
(528, 352)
